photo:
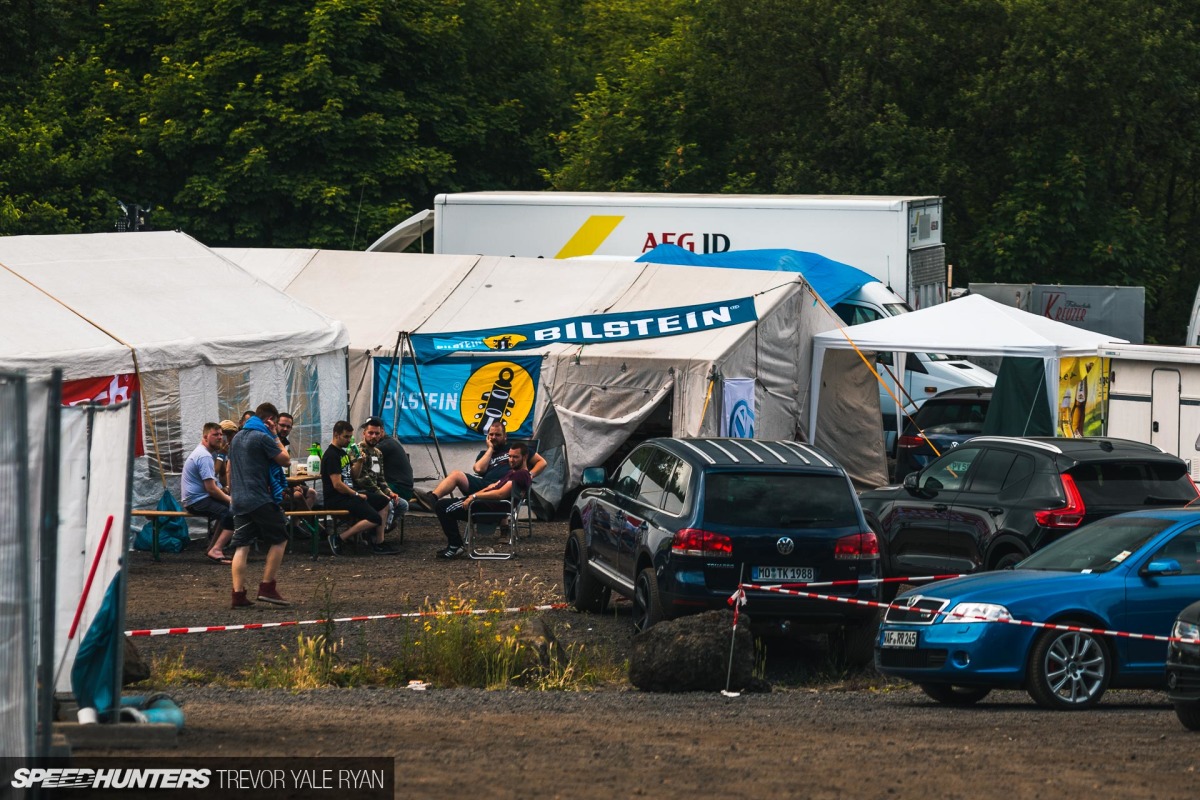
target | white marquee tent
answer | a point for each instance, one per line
(969, 326)
(206, 338)
(591, 398)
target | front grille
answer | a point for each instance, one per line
(915, 610)
(912, 659)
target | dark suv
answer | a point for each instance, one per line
(945, 420)
(1183, 668)
(682, 521)
(993, 500)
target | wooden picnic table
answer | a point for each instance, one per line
(159, 518)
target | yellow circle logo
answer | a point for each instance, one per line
(500, 390)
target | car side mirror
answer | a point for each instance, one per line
(593, 477)
(1162, 566)
(912, 483)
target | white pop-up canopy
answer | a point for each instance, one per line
(970, 326)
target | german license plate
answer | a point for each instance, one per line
(901, 639)
(783, 574)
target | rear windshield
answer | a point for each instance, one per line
(953, 414)
(779, 500)
(1128, 483)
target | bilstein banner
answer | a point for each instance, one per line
(463, 396)
(591, 329)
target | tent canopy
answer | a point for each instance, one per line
(970, 326)
(591, 397)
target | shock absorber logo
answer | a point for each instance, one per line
(500, 390)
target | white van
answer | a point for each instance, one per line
(925, 375)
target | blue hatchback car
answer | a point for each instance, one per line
(1131, 573)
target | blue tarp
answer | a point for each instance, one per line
(832, 280)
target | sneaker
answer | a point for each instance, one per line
(268, 594)
(335, 544)
(427, 499)
(452, 551)
(240, 601)
(383, 549)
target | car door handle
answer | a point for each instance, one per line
(940, 506)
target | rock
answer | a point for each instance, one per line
(136, 669)
(692, 654)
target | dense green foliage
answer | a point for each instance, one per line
(1062, 133)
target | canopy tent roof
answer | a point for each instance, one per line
(971, 326)
(81, 301)
(598, 393)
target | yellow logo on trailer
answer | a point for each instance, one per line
(590, 236)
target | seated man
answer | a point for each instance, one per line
(490, 466)
(202, 494)
(449, 510)
(396, 465)
(373, 475)
(337, 478)
(299, 497)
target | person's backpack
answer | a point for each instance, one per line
(173, 533)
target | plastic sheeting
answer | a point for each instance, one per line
(17, 609)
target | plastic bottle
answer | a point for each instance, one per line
(314, 458)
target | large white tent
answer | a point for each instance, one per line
(591, 398)
(970, 326)
(203, 338)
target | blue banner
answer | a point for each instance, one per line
(462, 395)
(591, 329)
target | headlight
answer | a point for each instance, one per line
(1186, 630)
(977, 612)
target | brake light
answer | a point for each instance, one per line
(1068, 516)
(857, 546)
(909, 441)
(697, 542)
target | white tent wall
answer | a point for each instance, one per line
(93, 486)
(848, 422)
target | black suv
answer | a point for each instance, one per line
(993, 500)
(945, 420)
(682, 521)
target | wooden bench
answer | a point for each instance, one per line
(157, 521)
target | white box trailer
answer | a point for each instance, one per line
(1154, 397)
(896, 239)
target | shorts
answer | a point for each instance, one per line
(360, 509)
(213, 509)
(265, 523)
(477, 484)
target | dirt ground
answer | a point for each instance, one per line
(853, 736)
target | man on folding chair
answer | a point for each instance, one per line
(495, 498)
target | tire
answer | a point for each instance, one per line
(1008, 561)
(580, 586)
(647, 606)
(1069, 670)
(950, 695)
(1189, 714)
(854, 644)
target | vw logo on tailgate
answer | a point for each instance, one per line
(785, 545)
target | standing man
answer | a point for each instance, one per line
(338, 467)
(202, 492)
(256, 460)
(490, 465)
(449, 510)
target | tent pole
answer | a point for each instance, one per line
(388, 382)
(428, 417)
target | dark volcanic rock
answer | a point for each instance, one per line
(692, 654)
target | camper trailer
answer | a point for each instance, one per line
(1154, 397)
(896, 239)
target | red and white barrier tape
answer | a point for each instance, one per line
(964, 617)
(253, 626)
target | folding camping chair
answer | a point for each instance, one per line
(499, 511)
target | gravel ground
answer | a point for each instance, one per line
(859, 736)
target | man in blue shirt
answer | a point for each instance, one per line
(202, 492)
(256, 461)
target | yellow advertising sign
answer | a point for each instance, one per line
(1083, 396)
